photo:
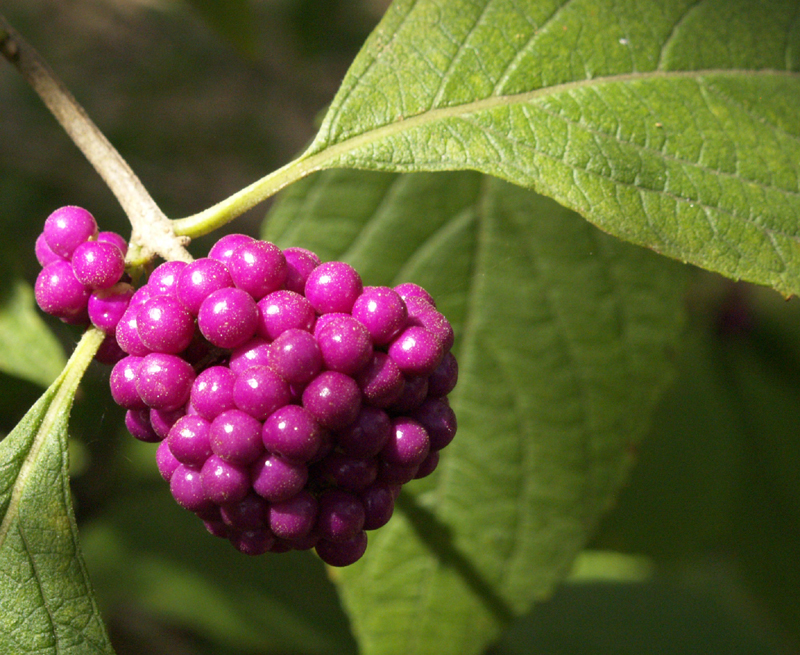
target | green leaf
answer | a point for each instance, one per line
(672, 124)
(28, 349)
(46, 604)
(563, 336)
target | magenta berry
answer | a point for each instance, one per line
(444, 377)
(378, 500)
(115, 240)
(299, 264)
(259, 391)
(408, 443)
(107, 306)
(381, 381)
(292, 432)
(189, 441)
(236, 437)
(439, 421)
(164, 279)
(255, 352)
(283, 310)
(164, 325)
(212, 392)
(127, 333)
(295, 356)
(223, 249)
(44, 255)
(257, 267)
(334, 399)
(123, 383)
(164, 381)
(333, 287)
(67, 228)
(187, 488)
(98, 265)
(340, 515)
(59, 293)
(345, 345)
(162, 420)
(198, 280)
(342, 553)
(410, 290)
(223, 481)
(367, 435)
(228, 317)
(416, 351)
(278, 479)
(293, 518)
(165, 461)
(137, 421)
(382, 311)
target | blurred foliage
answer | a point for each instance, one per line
(713, 506)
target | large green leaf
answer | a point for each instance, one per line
(46, 604)
(28, 349)
(563, 339)
(672, 124)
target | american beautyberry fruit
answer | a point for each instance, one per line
(189, 441)
(345, 345)
(235, 436)
(223, 249)
(107, 306)
(59, 293)
(295, 356)
(255, 352)
(259, 391)
(228, 317)
(292, 432)
(299, 264)
(276, 478)
(212, 392)
(164, 325)
(382, 311)
(164, 279)
(68, 227)
(164, 381)
(416, 351)
(334, 399)
(333, 287)
(223, 481)
(282, 310)
(257, 267)
(98, 265)
(200, 279)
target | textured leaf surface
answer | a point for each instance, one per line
(563, 336)
(46, 605)
(670, 124)
(28, 349)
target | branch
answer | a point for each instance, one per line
(152, 231)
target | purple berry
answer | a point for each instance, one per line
(259, 391)
(396, 474)
(299, 264)
(333, 398)
(236, 437)
(282, 310)
(217, 528)
(278, 479)
(333, 287)
(127, 333)
(293, 518)
(252, 542)
(340, 516)
(164, 381)
(346, 472)
(224, 482)
(165, 461)
(122, 382)
(381, 381)
(257, 267)
(187, 489)
(98, 265)
(163, 281)
(44, 255)
(324, 319)
(415, 390)
(292, 432)
(189, 441)
(444, 377)
(378, 500)
(162, 420)
(296, 357)
(164, 325)
(408, 443)
(198, 280)
(107, 306)
(140, 296)
(212, 392)
(109, 351)
(228, 317)
(382, 311)
(255, 352)
(342, 553)
(250, 513)
(428, 465)
(67, 228)
(367, 435)
(223, 249)
(416, 351)
(436, 323)
(410, 290)
(115, 240)
(59, 293)
(439, 421)
(345, 345)
(137, 421)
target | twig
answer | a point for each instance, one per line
(152, 231)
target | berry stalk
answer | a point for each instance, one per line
(152, 230)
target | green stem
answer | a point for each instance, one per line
(224, 212)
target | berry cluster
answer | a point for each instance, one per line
(81, 272)
(290, 402)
